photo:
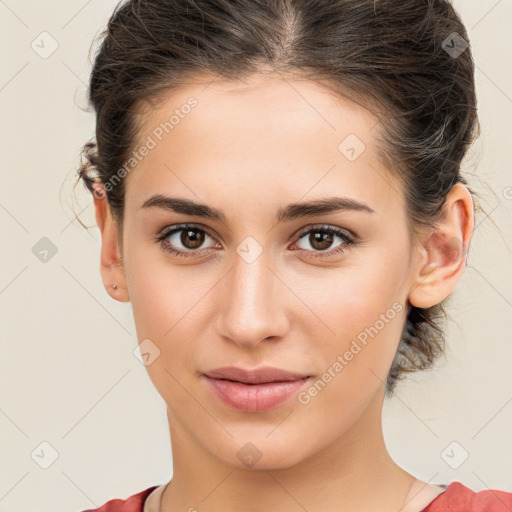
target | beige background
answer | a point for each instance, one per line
(68, 376)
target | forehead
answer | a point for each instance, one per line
(260, 102)
(292, 133)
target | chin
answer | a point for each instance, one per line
(261, 452)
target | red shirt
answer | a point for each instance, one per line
(456, 498)
(459, 498)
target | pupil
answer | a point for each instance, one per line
(322, 240)
(195, 236)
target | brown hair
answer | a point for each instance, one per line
(408, 60)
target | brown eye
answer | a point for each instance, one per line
(321, 239)
(184, 240)
(192, 238)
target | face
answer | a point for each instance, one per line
(320, 292)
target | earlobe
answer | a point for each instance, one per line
(117, 289)
(111, 260)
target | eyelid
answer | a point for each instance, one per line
(318, 227)
(348, 240)
(167, 231)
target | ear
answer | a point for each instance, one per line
(441, 253)
(111, 260)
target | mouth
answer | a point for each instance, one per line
(254, 391)
(263, 375)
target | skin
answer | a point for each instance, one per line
(249, 149)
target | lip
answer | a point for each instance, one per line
(261, 375)
(254, 390)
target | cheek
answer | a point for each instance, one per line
(166, 312)
(166, 308)
(362, 308)
(356, 361)
(164, 297)
(354, 296)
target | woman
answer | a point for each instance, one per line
(277, 184)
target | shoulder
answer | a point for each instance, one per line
(134, 503)
(459, 498)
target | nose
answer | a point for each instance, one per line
(253, 305)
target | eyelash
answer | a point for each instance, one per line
(349, 241)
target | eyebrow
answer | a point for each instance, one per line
(288, 213)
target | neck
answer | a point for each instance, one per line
(354, 472)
